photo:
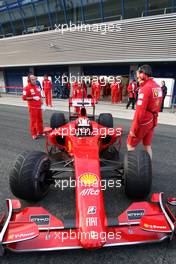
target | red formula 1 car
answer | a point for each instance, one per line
(89, 150)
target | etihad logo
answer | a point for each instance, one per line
(88, 179)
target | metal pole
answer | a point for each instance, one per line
(123, 9)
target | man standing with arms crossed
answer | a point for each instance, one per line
(32, 94)
(147, 109)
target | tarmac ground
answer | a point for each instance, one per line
(15, 138)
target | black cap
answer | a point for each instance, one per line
(146, 69)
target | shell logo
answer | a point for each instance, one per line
(11, 237)
(88, 178)
(146, 225)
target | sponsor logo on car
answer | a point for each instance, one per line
(40, 219)
(89, 191)
(135, 214)
(21, 236)
(69, 145)
(155, 227)
(91, 210)
(88, 179)
(91, 221)
(11, 236)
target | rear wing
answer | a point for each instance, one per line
(78, 102)
(81, 103)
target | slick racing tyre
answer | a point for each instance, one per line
(106, 120)
(57, 120)
(137, 174)
(28, 176)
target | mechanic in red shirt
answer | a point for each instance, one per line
(147, 109)
(114, 91)
(93, 88)
(74, 88)
(80, 91)
(84, 85)
(120, 89)
(103, 86)
(32, 94)
(132, 94)
(96, 90)
(47, 87)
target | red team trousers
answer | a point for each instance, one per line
(48, 97)
(36, 123)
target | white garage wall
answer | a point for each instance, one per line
(140, 40)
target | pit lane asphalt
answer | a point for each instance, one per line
(15, 138)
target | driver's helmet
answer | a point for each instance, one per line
(83, 127)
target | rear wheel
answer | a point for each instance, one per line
(29, 174)
(57, 120)
(137, 174)
(106, 120)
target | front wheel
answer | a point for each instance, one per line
(28, 176)
(137, 174)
